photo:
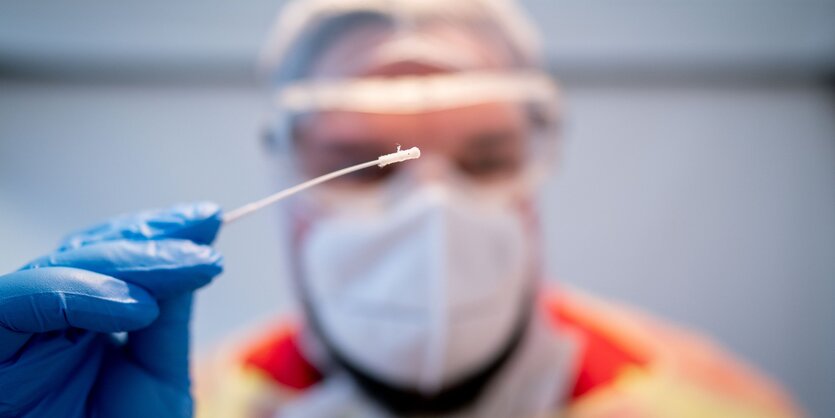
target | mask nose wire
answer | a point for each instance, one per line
(431, 169)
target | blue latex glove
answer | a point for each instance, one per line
(136, 274)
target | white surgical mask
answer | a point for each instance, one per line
(425, 294)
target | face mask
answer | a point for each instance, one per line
(426, 293)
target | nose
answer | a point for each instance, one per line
(430, 168)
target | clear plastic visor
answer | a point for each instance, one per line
(484, 131)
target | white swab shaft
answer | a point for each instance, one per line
(269, 200)
(257, 205)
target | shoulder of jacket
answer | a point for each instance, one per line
(253, 375)
(619, 340)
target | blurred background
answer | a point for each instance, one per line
(697, 178)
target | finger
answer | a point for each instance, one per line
(164, 268)
(55, 298)
(198, 222)
(47, 376)
(162, 348)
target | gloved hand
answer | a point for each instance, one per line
(135, 274)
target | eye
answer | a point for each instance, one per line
(492, 155)
(488, 165)
(320, 159)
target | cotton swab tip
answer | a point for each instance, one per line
(399, 156)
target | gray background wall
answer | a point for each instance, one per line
(696, 179)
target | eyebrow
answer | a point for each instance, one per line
(336, 155)
(357, 147)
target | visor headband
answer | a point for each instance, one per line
(416, 94)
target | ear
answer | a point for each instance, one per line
(273, 133)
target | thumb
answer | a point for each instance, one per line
(156, 375)
(162, 348)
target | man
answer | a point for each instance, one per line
(420, 283)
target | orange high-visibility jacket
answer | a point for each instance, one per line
(629, 365)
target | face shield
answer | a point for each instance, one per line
(485, 132)
(459, 82)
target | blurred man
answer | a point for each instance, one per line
(420, 283)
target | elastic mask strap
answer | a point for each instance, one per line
(403, 401)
